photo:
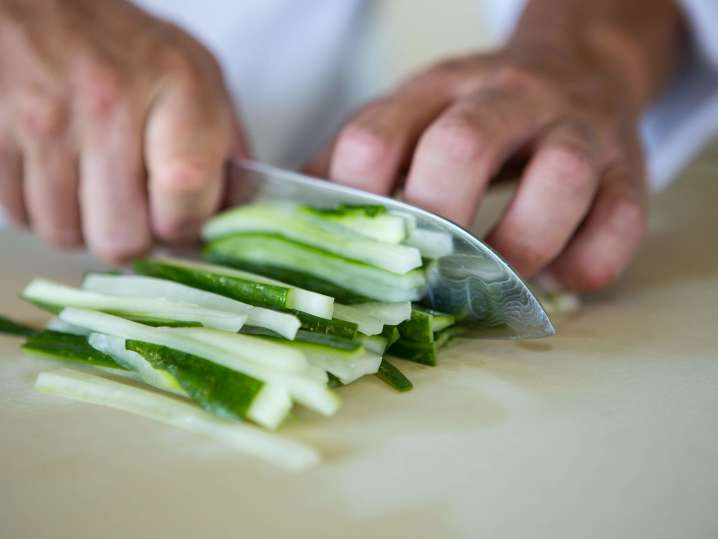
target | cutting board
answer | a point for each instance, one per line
(607, 430)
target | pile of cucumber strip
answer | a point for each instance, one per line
(290, 303)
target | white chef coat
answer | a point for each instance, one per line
(297, 68)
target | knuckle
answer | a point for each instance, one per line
(366, 143)
(456, 137)
(575, 166)
(185, 175)
(630, 217)
(102, 88)
(42, 116)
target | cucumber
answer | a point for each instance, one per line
(374, 343)
(54, 296)
(424, 323)
(240, 285)
(390, 314)
(424, 352)
(338, 328)
(266, 361)
(67, 347)
(392, 376)
(431, 243)
(10, 327)
(150, 287)
(267, 252)
(292, 223)
(366, 323)
(371, 221)
(166, 409)
(132, 361)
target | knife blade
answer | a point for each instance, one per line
(472, 281)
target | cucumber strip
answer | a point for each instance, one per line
(67, 347)
(392, 376)
(338, 328)
(431, 244)
(10, 327)
(53, 295)
(347, 369)
(290, 222)
(240, 285)
(230, 350)
(334, 382)
(391, 334)
(390, 314)
(382, 227)
(217, 389)
(132, 361)
(267, 252)
(365, 322)
(63, 327)
(374, 343)
(307, 388)
(424, 323)
(150, 287)
(247, 439)
(423, 352)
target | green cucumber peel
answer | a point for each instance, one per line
(292, 223)
(10, 327)
(372, 221)
(242, 286)
(272, 254)
(392, 376)
(66, 347)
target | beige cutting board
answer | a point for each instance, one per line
(609, 430)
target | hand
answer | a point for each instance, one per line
(114, 126)
(580, 208)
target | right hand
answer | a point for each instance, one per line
(114, 126)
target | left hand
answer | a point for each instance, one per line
(580, 209)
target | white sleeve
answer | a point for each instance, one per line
(685, 117)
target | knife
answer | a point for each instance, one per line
(472, 281)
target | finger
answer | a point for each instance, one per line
(606, 242)
(12, 200)
(112, 190)
(50, 191)
(370, 151)
(465, 147)
(189, 136)
(552, 199)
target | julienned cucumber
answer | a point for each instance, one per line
(240, 285)
(290, 222)
(285, 324)
(424, 352)
(372, 317)
(56, 296)
(67, 347)
(10, 327)
(268, 251)
(391, 375)
(371, 221)
(98, 390)
(338, 328)
(424, 323)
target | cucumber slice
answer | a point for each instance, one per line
(270, 362)
(268, 252)
(392, 376)
(240, 285)
(245, 438)
(290, 222)
(150, 287)
(338, 328)
(347, 369)
(56, 296)
(374, 343)
(67, 347)
(390, 314)
(366, 323)
(132, 361)
(424, 323)
(377, 225)
(431, 244)
(10, 327)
